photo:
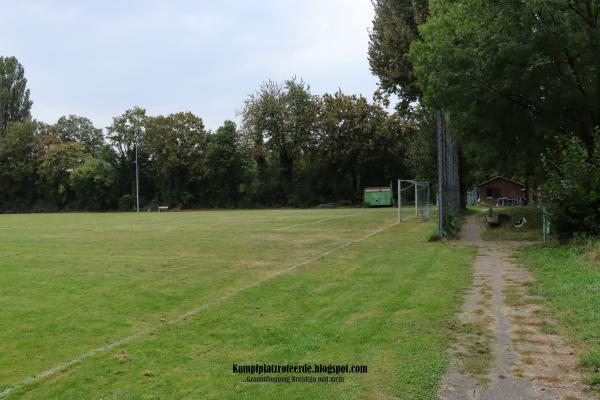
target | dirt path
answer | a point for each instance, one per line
(507, 346)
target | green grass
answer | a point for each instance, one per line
(477, 356)
(72, 282)
(532, 231)
(571, 284)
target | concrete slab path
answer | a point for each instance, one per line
(504, 348)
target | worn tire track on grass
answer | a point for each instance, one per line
(502, 351)
(189, 314)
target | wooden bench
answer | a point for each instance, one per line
(492, 219)
(327, 205)
(163, 208)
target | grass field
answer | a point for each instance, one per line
(569, 278)
(72, 283)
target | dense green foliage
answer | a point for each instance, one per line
(395, 27)
(14, 95)
(572, 190)
(78, 129)
(514, 76)
(309, 149)
(294, 148)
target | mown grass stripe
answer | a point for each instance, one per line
(61, 367)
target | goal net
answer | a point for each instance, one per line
(414, 200)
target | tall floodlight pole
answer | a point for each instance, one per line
(137, 181)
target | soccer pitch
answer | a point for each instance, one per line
(162, 305)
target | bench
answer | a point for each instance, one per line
(492, 219)
(163, 208)
(327, 205)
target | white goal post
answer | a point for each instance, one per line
(414, 200)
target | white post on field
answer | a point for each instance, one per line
(399, 198)
(428, 201)
(137, 181)
(416, 198)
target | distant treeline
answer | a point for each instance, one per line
(293, 148)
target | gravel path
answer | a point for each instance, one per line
(506, 347)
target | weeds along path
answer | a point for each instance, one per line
(506, 347)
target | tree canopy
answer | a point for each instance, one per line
(293, 148)
(15, 105)
(516, 78)
(395, 27)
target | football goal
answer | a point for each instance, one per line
(414, 200)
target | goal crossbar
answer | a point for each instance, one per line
(422, 199)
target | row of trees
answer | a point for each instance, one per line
(520, 79)
(293, 148)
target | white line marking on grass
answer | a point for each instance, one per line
(61, 367)
(312, 222)
(410, 218)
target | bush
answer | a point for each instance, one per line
(91, 182)
(451, 224)
(572, 189)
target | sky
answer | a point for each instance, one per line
(99, 58)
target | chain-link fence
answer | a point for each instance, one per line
(448, 196)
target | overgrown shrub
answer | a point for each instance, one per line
(572, 190)
(91, 183)
(451, 224)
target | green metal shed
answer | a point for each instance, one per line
(378, 196)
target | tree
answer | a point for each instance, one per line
(15, 105)
(421, 152)
(17, 174)
(343, 120)
(395, 27)
(176, 145)
(54, 172)
(359, 145)
(511, 72)
(126, 132)
(224, 167)
(281, 120)
(91, 183)
(294, 148)
(572, 190)
(74, 128)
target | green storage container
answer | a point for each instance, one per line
(378, 197)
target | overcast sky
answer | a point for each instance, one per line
(98, 58)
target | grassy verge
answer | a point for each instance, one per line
(531, 231)
(77, 281)
(569, 278)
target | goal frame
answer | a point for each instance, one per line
(406, 184)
